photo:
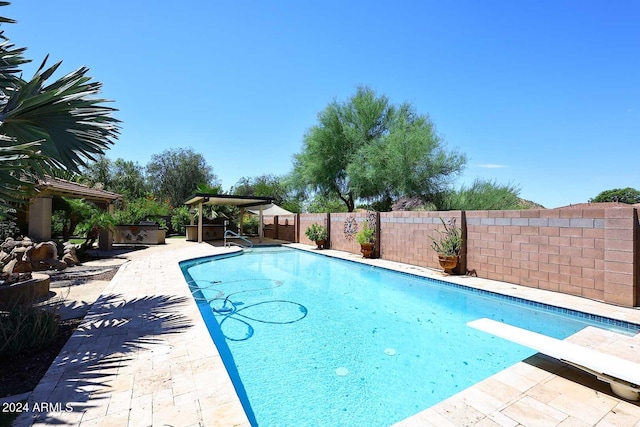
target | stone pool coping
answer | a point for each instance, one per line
(143, 356)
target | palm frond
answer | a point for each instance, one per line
(10, 60)
(4, 20)
(71, 124)
(16, 182)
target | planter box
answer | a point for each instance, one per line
(22, 292)
(139, 234)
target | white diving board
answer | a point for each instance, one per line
(623, 375)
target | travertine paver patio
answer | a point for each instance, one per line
(143, 356)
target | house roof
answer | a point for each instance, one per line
(50, 186)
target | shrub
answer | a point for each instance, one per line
(8, 227)
(250, 224)
(180, 219)
(142, 209)
(316, 232)
(366, 234)
(26, 328)
(449, 241)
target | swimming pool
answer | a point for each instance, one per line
(310, 340)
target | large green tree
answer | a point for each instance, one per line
(98, 173)
(175, 174)
(120, 176)
(321, 204)
(624, 195)
(46, 127)
(128, 179)
(367, 148)
(269, 186)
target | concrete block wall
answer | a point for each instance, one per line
(592, 252)
(340, 240)
(559, 250)
(406, 236)
(589, 252)
(621, 256)
(305, 221)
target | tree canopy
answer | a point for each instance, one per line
(269, 186)
(129, 179)
(367, 148)
(120, 176)
(624, 195)
(175, 173)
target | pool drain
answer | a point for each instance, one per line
(341, 372)
(390, 351)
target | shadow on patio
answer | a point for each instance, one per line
(109, 338)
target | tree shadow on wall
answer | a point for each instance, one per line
(110, 338)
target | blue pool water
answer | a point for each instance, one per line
(310, 340)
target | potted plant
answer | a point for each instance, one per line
(448, 245)
(366, 237)
(318, 234)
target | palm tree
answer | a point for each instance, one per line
(47, 128)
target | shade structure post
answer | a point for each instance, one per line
(260, 226)
(105, 238)
(200, 222)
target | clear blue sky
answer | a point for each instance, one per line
(541, 94)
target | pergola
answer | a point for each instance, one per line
(201, 199)
(40, 207)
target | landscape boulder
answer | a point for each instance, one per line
(69, 256)
(23, 255)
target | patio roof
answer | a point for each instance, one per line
(50, 186)
(228, 199)
(201, 199)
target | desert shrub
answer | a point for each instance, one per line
(26, 328)
(483, 195)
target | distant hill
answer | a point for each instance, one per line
(528, 204)
(408, 204)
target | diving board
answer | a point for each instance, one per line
(623, 375)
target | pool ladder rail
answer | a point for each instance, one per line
(235, 235)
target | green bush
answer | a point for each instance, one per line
(142, 209)
(250, 224)
(58, 219)
(316, 232)
(8, 227)
(366, 234)
(26, 328)
(180, 219)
